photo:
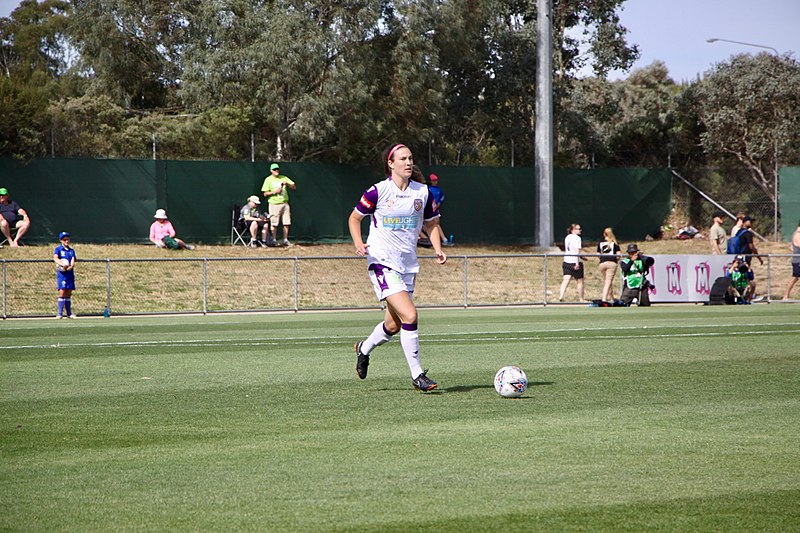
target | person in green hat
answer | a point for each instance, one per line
(276, 189)
(13, 216)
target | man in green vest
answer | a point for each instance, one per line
(743, 282)
(634, 269)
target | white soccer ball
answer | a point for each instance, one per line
(510, 382)
(63, 264)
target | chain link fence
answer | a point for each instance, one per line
(733, 189)
(209, 285)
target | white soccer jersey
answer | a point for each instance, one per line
(396, 218)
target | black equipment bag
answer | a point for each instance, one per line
(719, 291)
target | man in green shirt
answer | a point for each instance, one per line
(276, 189)
(634, 269)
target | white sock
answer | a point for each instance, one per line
(378, 336)
(409, 338)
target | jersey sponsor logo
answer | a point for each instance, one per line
(407, 222)
(417, 204)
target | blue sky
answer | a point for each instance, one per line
(675, 31)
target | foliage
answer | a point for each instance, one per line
(337, 81)
(750, 110)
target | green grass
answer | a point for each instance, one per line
(668, 418)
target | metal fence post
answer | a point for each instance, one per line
(5, 314)
(544, 292)
(296, 283)
(108, 286)
(466, 283)
(205, 286)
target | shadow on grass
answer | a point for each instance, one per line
(468, 388)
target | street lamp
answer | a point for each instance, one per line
(775, 214)
(715, 39)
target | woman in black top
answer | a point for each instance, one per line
(609, 248)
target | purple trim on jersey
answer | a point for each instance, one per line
(378, 268)
(368, 202)
(409, 327)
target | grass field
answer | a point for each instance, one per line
(683, 418)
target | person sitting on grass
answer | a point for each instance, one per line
(162, 234)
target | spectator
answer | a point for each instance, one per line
(275, 188)
(64, 257)
(717, 235)
(738, 225)
(398, 207)
(572, 267)
(743, 284)
(747, 240)
(795, 262)
(438, 199)
(609, 248)
(162, 234)
(13, 217)
(252, 219)
(636, 287)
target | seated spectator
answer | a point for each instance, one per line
(13, 216)
(162, 234)
(743, 284)
(252, 219)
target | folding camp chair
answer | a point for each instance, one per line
(238, 233)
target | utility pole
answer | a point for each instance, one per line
(543, 128)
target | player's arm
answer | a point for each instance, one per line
(354, 224)
(57, 260)
(435, 234)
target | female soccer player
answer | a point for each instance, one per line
(64, 257)
(398, 209)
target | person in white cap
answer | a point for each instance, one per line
(162, 234)
(251, 218)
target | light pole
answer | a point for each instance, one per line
(715, 39)
(775, 213)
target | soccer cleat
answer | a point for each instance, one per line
(362, 361)
(73, 315)
(424, 383)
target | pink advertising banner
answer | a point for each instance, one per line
(685, 278)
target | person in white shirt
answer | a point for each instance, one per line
(572, 267)
(398, 208)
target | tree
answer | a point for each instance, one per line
(750, 109)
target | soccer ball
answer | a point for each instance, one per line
(510, 382)
(63, 264)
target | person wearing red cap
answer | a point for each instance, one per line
(437, 195)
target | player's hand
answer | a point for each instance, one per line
(441, 257)
(361, 249)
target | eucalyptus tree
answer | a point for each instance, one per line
(33, 57)
(130, 50)
(488, 58)
(749, 108)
